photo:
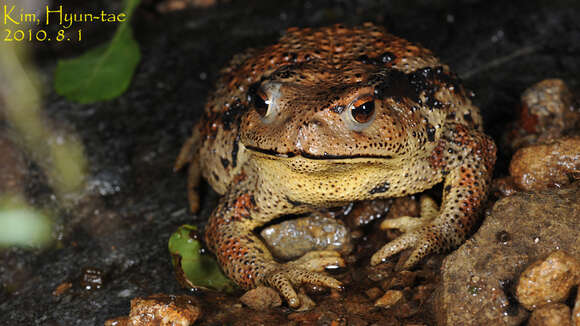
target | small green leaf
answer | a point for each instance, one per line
(22, 225)
(193, 268)
(103, 72)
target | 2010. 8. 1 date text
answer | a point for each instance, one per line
(29, 35)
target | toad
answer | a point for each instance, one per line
(328, 116)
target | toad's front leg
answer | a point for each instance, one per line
(244, 257)
(466, 158)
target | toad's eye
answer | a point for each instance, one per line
(363, 109)
(265, 99)
(258, 99)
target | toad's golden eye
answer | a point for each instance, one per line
(363, 109)
(258, 99)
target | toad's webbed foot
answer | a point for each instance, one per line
(244, 257)
(284, 279)
(418, 234)
(424, 241)
(464, 190)
(429, 211)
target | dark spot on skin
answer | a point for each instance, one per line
(225, 162)
(399, 85)
(467, 117)
(232, 114)
(394, 84)
(447, 188)
(235, 148)
(437, 104)
(430, 132)
(387, 57)
(294, 202)
(364, 59)
(284, 72)
(384, 187)
(428, 80)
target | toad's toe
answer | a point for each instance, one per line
(284, 280)
(403, 242)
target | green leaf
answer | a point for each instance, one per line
(103, 72)
(22, 225)
(193, 268)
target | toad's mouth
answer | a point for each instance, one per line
(325, 156)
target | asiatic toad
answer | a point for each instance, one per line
(324, 117)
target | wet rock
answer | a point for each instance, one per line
(406, 309)
(422, 293)
(504, 187)
(546, 112)
(357, 305)
(389, 299)
(380, 272)
(548, 280)
(92, 278)
(544, 165)
(546, 138)
(400, 280)
(373, 293)
(553, 314)
(362, 213)
(261, 298)
(160, 309)
(478, 278)
(294, 238)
